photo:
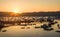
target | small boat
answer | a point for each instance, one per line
(34, 24)
(58, 31)
(56, 22)
(4, 30)
(44, 26)
(49, 29)
(37, 27)
(22, 27)
(58, 26)
(28, 27)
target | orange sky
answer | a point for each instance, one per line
(29, 5)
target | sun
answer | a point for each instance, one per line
(16, 11)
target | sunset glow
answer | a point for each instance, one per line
(15, 11)
(29, 5)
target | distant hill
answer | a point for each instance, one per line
(56, 13)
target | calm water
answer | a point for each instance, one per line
(30, 31)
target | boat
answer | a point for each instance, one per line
(58, 31)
